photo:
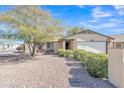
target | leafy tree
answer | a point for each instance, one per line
(32, 24)
(75, 29)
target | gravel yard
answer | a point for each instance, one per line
(45, 71)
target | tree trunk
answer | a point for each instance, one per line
(33, 49)
(23, 48)
(29, 48)
(38, 49)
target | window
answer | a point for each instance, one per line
(118, 45)
(50, 45)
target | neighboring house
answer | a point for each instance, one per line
(118, 41)
(5, 44)
(8, 44)
(87, 40)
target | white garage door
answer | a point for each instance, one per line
(96, 47)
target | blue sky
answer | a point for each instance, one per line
(104, 19)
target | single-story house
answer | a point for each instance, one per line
(8, 45)
(52, 45)
(88, 40)
(118, 41)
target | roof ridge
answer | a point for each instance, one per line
(91, 31)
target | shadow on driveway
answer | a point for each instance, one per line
(12, 58)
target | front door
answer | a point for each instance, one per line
(67, 45)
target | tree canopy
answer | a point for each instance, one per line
(75, 29)
(32, 24)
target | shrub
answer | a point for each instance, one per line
(83, 57)
(65, 53)
(97, 65)
(61, 52)
(19, 48)
(80, 55)
(76, 54)
(68, 53)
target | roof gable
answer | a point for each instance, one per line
(88, 31)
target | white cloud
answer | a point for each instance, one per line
(81, 6)
(104, 25)
(119, 30)
(121, 13)
(100, 26)
(120, 9)
(111, 26)
(97, 12)
(117, 20)
(112, 19)
(92, 21)
(108, 25)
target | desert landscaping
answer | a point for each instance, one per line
(45, 71)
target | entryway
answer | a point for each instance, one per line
(67, 44)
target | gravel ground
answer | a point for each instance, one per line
(45, 71)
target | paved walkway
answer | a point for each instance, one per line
(47, 71)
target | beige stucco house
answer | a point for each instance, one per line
(118, 41)
(87, 40)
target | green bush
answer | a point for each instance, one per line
(68, 53)
(20, 48)
(65, 53)
(97, 65)
(83, 57)
(61, 52)
(76, 54)
(80, 55)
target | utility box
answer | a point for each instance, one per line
(116, 66)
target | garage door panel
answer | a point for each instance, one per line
(97, 47)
